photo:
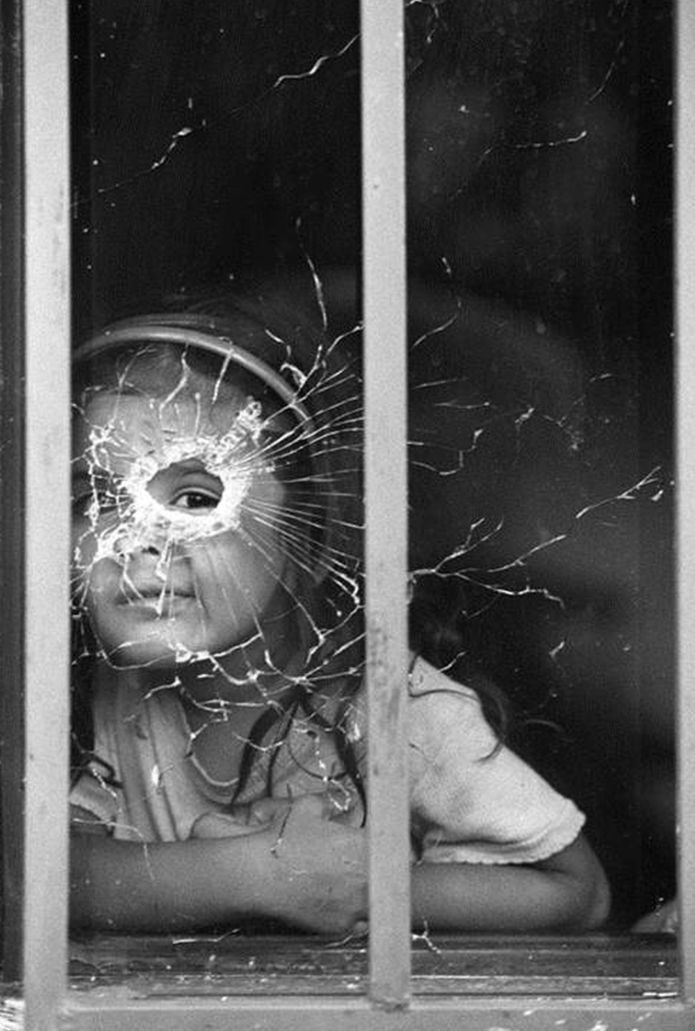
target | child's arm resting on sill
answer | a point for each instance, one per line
(567, 892)
(298, 868)
(311, 873)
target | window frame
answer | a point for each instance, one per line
(36, 234)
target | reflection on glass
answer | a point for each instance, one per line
(217, 550)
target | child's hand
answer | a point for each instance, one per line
(265, 810)
(247, 819)
(315, 869)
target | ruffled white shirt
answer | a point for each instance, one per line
(472, 799)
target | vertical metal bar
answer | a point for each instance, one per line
(685, 316)
(384, 286)
(47, 523)
(12, 479)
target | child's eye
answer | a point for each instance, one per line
(197, 499)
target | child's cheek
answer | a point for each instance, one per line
(83, 551)
(268, 490)
(87, 533)
(92, 575)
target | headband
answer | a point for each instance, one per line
(185, 330)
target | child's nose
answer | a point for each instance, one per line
(127, 556)
(140, 542)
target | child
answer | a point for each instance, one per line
(219, 707)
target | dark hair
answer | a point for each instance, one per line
(441, 632)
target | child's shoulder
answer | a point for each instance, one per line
(437, 705)
(448, 731)
(443, 710)
(426, 681)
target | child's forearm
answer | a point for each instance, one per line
(299, 868)
(310, 874)
(568, 892)
(124, 885)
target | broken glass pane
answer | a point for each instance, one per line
(218, 502)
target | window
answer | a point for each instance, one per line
(571, 415)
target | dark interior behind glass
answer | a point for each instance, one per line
(214, 143)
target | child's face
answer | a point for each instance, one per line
(175, 525)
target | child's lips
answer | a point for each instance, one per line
(154, 594)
